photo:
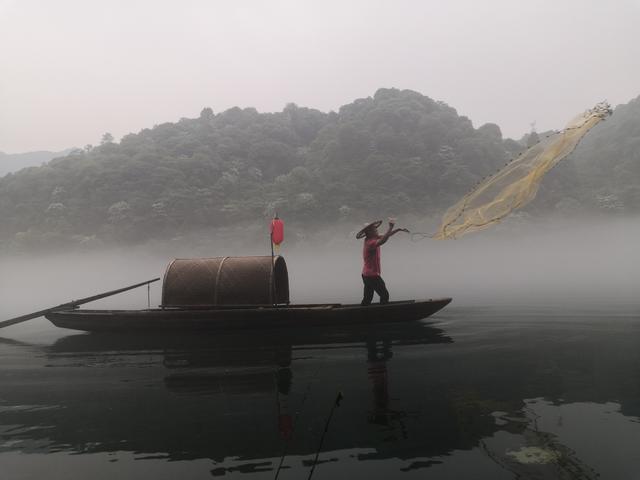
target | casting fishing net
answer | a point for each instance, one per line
(517, 183)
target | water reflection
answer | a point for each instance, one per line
(179, 389)
(378, 354)
(501, 401)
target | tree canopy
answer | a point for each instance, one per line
(397, 152)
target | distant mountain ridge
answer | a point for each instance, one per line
(397, 152)
(12, 162)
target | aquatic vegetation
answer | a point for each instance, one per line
(539, 455)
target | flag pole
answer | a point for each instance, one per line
(273, 283)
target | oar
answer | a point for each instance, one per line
(72, 304)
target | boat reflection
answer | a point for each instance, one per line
(235, 391)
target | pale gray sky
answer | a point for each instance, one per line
(71, 70)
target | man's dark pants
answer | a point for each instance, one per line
(374, 284)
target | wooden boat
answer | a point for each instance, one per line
(229, 294)
(238, 317)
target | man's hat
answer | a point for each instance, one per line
(363, 232)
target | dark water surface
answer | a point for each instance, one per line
(474, 393)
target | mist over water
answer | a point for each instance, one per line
(572, 264)
(533, 357)
(586, 263)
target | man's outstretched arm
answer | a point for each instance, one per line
(389, 233)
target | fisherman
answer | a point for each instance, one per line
(371, 255)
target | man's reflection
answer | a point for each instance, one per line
(378, 353)
(377, 356)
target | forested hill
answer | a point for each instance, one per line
(11, 162)
(395, 153)
(608, 161)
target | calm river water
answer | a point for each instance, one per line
(492, 393)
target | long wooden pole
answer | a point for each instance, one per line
(72, 304)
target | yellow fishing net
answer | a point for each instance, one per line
(517, 183)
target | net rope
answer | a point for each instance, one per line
(516, 184)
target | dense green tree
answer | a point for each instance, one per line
(394, 153)
(106, 138)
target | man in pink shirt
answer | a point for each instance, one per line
(371, 255)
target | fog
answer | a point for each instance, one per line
(578, 265)
(548, 262)
(73, 70)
